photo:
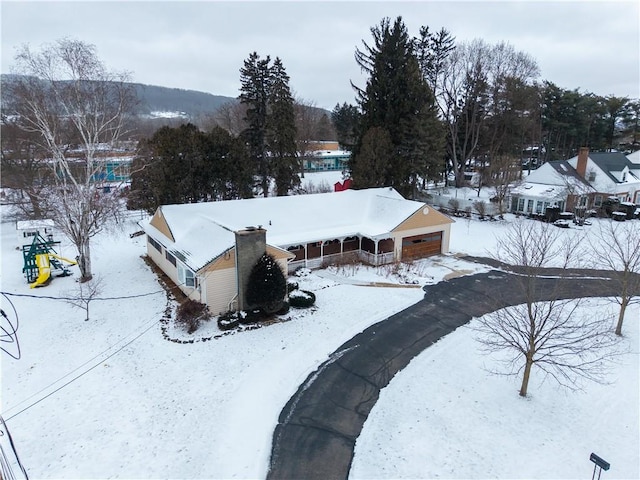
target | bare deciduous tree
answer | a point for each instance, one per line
(551, 335)
(85, 293)
(502, 175)
(78, 109)
(230, 116)
(616, 246)
(24, 170)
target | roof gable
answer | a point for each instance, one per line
(424, 217)
(610, 163)
(159, 222)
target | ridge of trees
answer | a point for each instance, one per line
(490, 106)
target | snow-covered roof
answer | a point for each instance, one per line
(34, 224)
(203, 231)
(330, 153)
(538, 190)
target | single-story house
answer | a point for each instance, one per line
(202, 246)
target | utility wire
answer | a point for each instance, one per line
(124, 297)
(84, 372)
(13, 447)
(151, 324)
(10, 332)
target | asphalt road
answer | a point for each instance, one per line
(318, 427)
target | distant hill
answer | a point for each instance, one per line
(160, 106)
(192, 103)
(162, 99)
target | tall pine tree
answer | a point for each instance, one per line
(398, 99)
(271, 131)
(255, 80)
(281, 131)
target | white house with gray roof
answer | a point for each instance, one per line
(587, 179)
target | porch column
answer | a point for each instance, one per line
(377, 259)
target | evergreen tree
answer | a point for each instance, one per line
(255, 81)
(267, 286)
(345, 120)
(281, 131)
(185, 165)
(168, 169)
(372, 163)
(229, 169)
(398, 99)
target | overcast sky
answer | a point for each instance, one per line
(593, 46)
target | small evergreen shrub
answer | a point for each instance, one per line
(291, 286)
(191, 314)
(228, 320)
(302, 299)
(286, 306)
(267, 286)
(251, 316)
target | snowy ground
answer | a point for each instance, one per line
(112, 398)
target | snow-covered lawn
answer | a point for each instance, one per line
(112, 398)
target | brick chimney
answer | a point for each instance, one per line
(251, 244)
(583, 156)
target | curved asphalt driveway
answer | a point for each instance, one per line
(318, 428)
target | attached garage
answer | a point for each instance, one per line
(419, 246)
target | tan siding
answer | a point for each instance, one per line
(419, 219)
(224, 261)
(282, 262)
(158, 221)
(279, 253)
(221, 289)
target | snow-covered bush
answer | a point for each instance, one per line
(302, 299)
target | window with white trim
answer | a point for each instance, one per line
(186, 277)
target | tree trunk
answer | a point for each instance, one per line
(525, 378)
(84, 262)
(623, 308)
(35, 205)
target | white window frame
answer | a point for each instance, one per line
(187, 277)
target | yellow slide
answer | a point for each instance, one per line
(71, 262)
(44, 270)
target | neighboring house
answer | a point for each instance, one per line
(588, 180)
(201, 246)
(555, 184)
(326, 160)
(610, 174)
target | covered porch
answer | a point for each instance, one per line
(374, 251)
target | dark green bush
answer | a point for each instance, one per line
(291, 286)
(191, 314)
(251, 316)
(302, 299)
(228, 320)
(267, 286)
(285, 308)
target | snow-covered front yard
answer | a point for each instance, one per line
(112, 398)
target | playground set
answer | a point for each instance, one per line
(41, 259)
